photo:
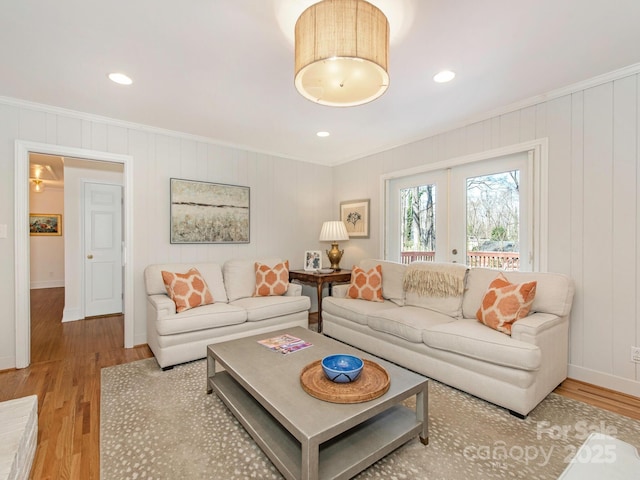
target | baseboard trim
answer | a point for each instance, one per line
(623, 385)
(47, 284)
(71, 315)
(7, 363)
(139, 339)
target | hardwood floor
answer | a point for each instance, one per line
(617, 402)
(65, 374)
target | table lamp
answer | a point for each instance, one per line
(334, 232)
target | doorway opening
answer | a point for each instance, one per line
(22, 237)
(70, 215)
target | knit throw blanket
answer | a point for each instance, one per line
(435, 279)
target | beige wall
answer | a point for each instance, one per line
(46, 261)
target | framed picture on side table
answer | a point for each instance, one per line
(355, 215)
(312, 260)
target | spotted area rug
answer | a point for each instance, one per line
(163, 425)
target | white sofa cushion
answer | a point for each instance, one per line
(407, 322)
(451, 306)
(240, 276)
(473, 339)
(211, 273)
(554, 292)
(392, 276)
(354, 309)
(201, 318)
(262, 308)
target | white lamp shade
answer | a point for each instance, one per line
(333, 232)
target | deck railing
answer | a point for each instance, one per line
(501, 260)
(408, 257)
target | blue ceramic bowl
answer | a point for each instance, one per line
(342, 368)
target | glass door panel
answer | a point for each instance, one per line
(493, 220)
(417, 218)
(490, 214)
(418, 223)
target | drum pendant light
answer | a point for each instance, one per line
(342, 53)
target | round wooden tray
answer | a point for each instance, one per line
(372, 383)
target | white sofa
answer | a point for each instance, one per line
(181, 337)
(515, 372)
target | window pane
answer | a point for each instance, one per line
(418, 224)
(493, 218)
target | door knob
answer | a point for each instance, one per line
(454, 251)
(89, 256)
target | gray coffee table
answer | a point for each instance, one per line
(304, 437)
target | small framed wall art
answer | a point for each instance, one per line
(312, 260)
(45, 224)
(355, 215)
(203, 212)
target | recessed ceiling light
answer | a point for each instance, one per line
(323, 134)
(120, 78)
(444, 76)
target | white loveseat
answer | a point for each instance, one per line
(181, 337)
(515, 372)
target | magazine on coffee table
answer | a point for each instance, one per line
(285, 343)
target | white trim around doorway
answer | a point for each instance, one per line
(21, 238)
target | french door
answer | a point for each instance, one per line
(478, 214)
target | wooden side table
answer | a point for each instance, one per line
(319, 279)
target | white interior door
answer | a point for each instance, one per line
(103, 249)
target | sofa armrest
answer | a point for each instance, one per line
(162, 305)
(528, 328)
(340, 291)
(294, 290)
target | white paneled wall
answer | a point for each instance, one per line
(594, 230)
(289, 199)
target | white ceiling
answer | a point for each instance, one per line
(223, 69)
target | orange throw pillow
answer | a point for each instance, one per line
(506, 302)
(272, 281)
(187, 290)
(366, 285)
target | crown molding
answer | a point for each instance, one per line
(91, 117)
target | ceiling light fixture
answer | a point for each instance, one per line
(444, 76)
(37, 185)
(342, 53)
(323, 134)
(120, 78)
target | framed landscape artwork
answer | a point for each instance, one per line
(355, 215)
(45, 224)
(203, 212)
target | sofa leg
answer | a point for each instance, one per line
(170, 367)
(517, 415)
